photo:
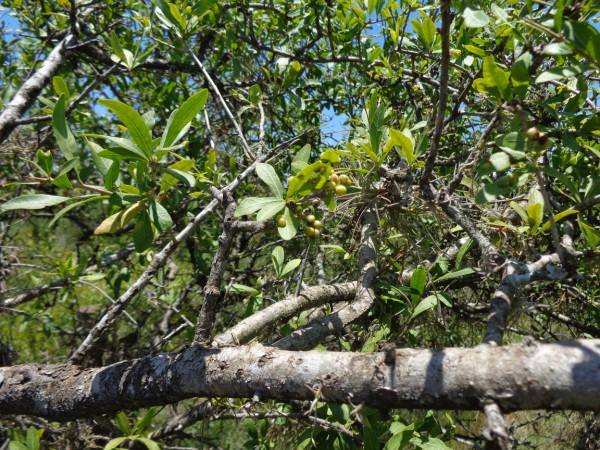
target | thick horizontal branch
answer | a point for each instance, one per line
(563, 375)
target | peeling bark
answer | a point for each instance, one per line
(563, 375)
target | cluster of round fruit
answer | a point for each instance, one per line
(339, 183)
(533, 134)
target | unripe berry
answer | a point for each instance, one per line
(317, 224)
(533, 134)
(340, 189)
(310, 232)
(334, 178)
(310, 218)
(281, 222)
(345, 179)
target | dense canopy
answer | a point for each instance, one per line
(328, 224)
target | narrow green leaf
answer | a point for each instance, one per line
(149, 443)
(427, 303)
(181, 118)
(114, 443)
(277, 257)
(456, 274)
(289, 266)
(32, 201)
(74, 205)
(62, 133)
(557, 217)
(137, 128)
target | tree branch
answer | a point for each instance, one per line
(564, 375)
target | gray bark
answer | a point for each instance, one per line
(564, 375)
(30, 90)
(310, 297)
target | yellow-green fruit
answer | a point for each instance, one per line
(345, 179)
(332, 184)
(533, 133)
(317, 224)
(310, 218)
(334, 178)
(340, 189)
(281, 222)
(310, 232)
(317, 234)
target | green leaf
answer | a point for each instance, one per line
(114, 443)
(405, 143)
(267, 174)
(557, 217)
(33, 438)
(44, 160)
(66, 209)
(142, 424)
(142, 233)
(160, 216)
(494, 81)
(418, 281)
(520, 211)
(535, 209)
(270, 209)
(500, 161)
(462, 251)
(591, 235)
(62, 133)
(182, 176)
(425, 30)
(434, 444)
(475, 18)
(426, 304)
(243, 289)
(137, 128)
(559, 73)
(557, 48)
(180, 119)
(122, 423)
(584, 38)
(250, 205)
(456, 274)
(32, 201)
(17, 446)
(289, 231)
(149, 443)
(277, 257)
(60, 87)
(125, 150)
(303, 155)
(289, 266)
